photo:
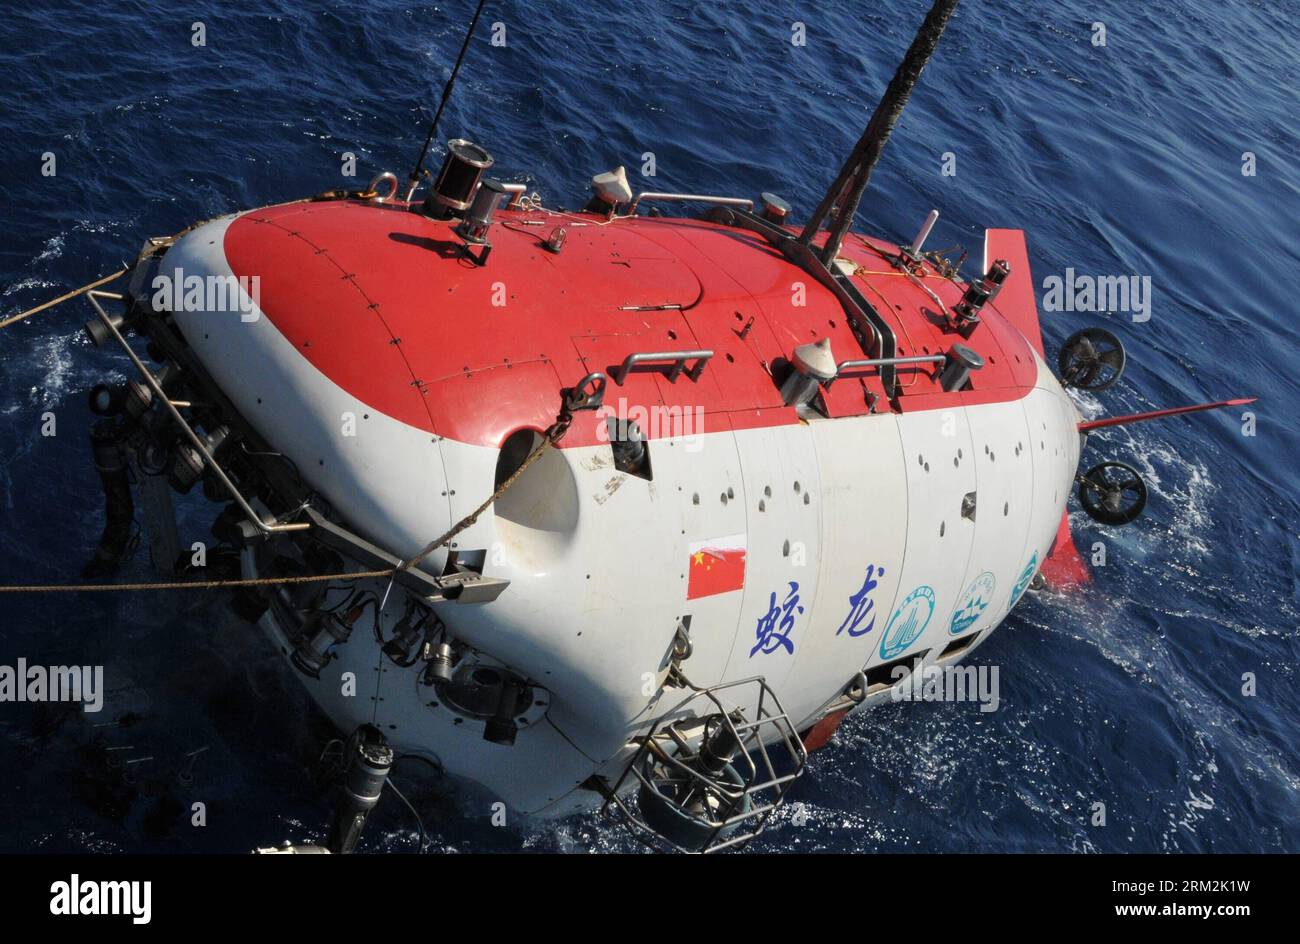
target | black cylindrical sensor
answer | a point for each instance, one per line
(459, 178)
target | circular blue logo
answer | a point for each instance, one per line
(908, 622)
(973, 603)
(1026, 575)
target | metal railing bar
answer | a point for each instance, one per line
(886, 362)
(679, 359)
(194, 438)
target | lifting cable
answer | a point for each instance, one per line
(318, 198)
(551, 438)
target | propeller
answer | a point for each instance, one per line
(1091, 359)
(1112, 493)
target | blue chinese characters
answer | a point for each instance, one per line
(773, 628)
(862, 606)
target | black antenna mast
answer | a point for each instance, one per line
(841, 200)
(414, 180)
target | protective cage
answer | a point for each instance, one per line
(693, 799)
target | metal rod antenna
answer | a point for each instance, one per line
(1159, 414)
(845, 193)
(414, 180)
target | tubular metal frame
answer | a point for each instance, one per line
(195, 440)
(669, 741)
(679, 359)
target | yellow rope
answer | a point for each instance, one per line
(553, 435)
(63, 298)
(189, 584)
(328, 195)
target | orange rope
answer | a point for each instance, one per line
(553, 436)
(190, 584)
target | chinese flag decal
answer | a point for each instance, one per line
(717, 566)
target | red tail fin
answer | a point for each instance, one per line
(1015, 302)
(1063, 568)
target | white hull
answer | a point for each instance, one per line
(597, 559)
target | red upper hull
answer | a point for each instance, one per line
(383, 302)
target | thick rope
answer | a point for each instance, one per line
(845, 193)
(553, 436)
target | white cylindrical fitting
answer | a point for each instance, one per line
(924, 234)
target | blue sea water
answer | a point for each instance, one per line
(1123, 159)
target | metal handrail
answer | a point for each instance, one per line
(195, 440)
(679, 359)
(886, 362)
(686, 197)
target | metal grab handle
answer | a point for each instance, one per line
(684, 197)
(589, 394)
(389, 178)
(887, 362)
(679, 359)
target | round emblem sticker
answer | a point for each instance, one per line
(1026, 575)
(908, 622)
(973, 603)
